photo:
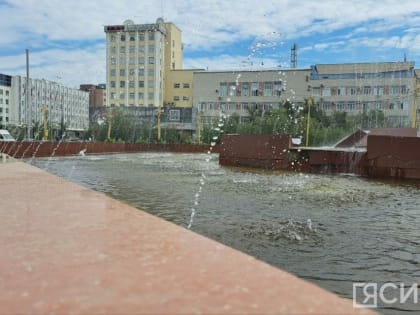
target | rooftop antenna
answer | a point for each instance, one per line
(293, 56)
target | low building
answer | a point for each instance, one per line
(63, 107)
(388, 87)
(97, 94)
(236, 92)
(179, 87)
(360, 87)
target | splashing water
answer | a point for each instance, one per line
(291, 230)
(203, 178)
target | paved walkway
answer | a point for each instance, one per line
(67, 249)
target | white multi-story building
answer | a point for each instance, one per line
(5, 95)
(138, 59)
(63, 106)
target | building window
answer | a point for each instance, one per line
(151, 83)
(113, 72)
(122, 60)
(122, 72)
(254, 88)
(174, 115)
(277, 88)
(122, 96)
(141, 36)
(151, 49)
(122, 84)
(245, 89)
(132, 49)
(113, 60)
(367, 90)
(123, 38)
(132, 37)
(151, 60)
(113, 84)
(141, 95)
(131, 84)
(141, 60)
(176, 98)
(141, 49)
(177, 85)
(223, 89)
(379, 90)
(151, 72)
(351, 91)
(131, 95)
(113, 50)
(132, 71)
(326, 91)
(185, 98)
(112, 38)
(141, 84)
(186, 85)
(232, 89)
(141, 72)
(132, 61)
(151, 95)
(112, 95)
(122, 49)
(268, 88)
(151, 35)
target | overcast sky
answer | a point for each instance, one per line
(67, 42)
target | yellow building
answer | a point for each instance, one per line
(138, 60)
(179, 87)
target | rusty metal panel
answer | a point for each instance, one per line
(23, 149)
(397, 157)
(255, 146)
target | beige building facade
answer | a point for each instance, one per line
(179, 87)
(360, 87)
(353, 88)
(238, 91)
(138, 59)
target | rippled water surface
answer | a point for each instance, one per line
(331, 230)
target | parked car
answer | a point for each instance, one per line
(5, 135)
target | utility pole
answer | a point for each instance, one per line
(158, 123)
(308, 121)
(28, 105)
(415, 105)
(199, 127)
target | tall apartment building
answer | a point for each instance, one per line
(5, 95)
(138, 59)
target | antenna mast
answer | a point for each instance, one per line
(293, 56)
